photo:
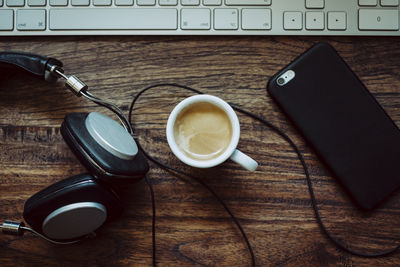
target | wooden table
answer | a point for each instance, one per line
(272, 204)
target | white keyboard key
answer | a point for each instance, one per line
(293, 20)
(248, 2)
(256, 19)
(113, 18)
(6, 19)
(168, 2)
(58, 2)
(15, 2)
(226, 19)
(102, 2)
(378, 19)
(195, 19)
(212, 2)
(367, 2)
(1, 2)
(80, 2)
(190, 2)
(337, 21)
(31, 19)
(315, 3)
(146, 2)
(315, 20)
(123, 2)
(390, 2)
(36, 2)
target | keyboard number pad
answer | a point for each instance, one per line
(315, 21)
(256, 19)
(293, 20)
(195, 19)
(226, 19)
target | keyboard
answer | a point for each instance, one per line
(199, 17)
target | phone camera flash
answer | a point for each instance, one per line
(285, 78)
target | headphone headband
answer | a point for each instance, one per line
(33, 64)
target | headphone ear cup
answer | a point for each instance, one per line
(72, 208)
(97, 141)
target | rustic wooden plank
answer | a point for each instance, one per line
(272, 204)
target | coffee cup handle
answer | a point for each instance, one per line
(244, 160)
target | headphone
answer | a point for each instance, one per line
(72, 209)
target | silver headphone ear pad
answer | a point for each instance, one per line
(72, 207)
(105, 159)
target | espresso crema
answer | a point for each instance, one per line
(203, 131)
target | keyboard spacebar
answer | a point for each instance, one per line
(113, 19)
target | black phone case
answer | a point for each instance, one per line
(343, 123)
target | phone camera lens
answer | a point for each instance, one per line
(280, 81)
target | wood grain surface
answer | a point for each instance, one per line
(273, 204)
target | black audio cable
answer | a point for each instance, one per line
(153, 222)
(337, 242)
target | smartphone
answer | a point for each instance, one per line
(342, 121)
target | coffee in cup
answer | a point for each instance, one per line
(203, 131)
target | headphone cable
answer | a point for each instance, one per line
(153, 222)
(166, 167)
(18, 229)
(114, 108)
(314, 204)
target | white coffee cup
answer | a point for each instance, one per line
(229, 152)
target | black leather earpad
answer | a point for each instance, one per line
(65, 209)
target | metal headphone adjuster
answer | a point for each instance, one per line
(79, 88)
(71, 82)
